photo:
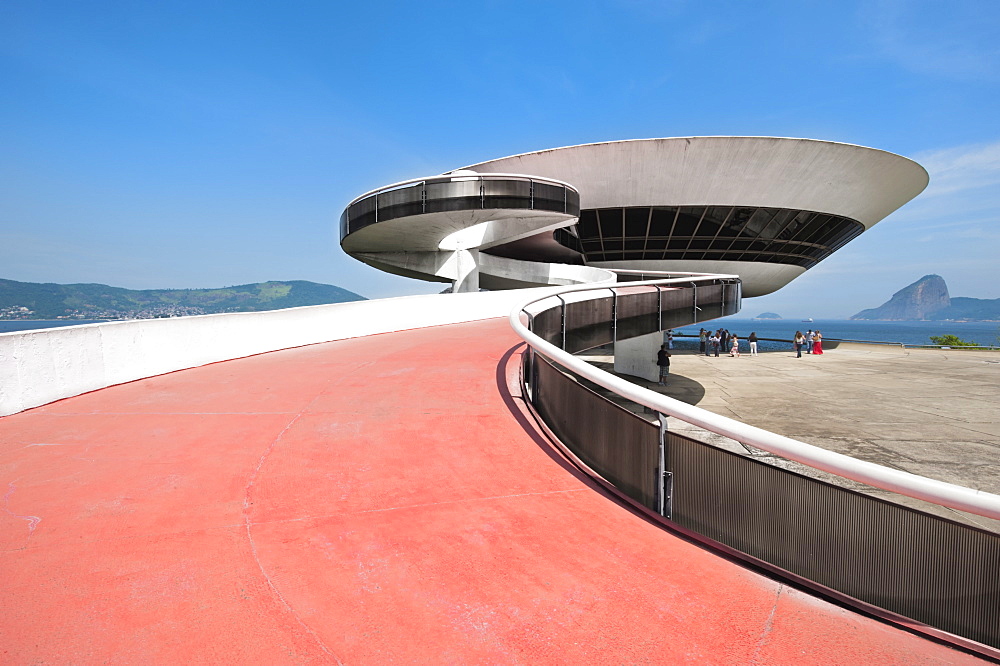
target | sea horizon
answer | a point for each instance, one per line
(983, 333)
(915, 332)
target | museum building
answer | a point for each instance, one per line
(766, 209)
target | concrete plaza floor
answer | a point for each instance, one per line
(929, 412)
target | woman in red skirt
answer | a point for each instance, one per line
(817, 343)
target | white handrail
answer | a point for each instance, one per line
(461, 177)
(904, 483)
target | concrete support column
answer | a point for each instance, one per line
(637, 356)
(467, 271)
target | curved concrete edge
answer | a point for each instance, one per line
(759, 279)
(864, 184)
(42, 366)
(492, 272)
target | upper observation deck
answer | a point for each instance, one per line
(459, 192)
(434, 228)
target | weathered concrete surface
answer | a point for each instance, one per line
(376, 500)
(929, 412)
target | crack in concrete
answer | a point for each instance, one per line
(768, 626)
(253, 546)
(32, 520)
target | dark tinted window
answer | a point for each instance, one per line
(636, 221)
(611, 222)
(737, 221)
(587, 226)
(713, 233)
(713, 220)
(687, 221)
(662, 221)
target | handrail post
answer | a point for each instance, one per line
(659, 308)
(562, 321)
(614, 315)
(694, 302)
(532, 375)
(664, 479)
(530, 364)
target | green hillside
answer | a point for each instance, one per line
(30, 300)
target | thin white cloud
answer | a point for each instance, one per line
(973, 233)
(961, 168)
(950, 40)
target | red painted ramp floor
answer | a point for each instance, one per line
(368, 501)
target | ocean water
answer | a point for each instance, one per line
(907, 332)
(31, 325)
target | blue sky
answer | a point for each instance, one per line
(206, 144)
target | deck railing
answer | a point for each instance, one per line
(938, 575)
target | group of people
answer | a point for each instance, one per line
(811, 340)
(710, 342)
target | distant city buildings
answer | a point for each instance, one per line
(16, 312)
(159, 312)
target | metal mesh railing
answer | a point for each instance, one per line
(939, 573)
(443, 194)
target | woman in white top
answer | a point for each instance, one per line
(735, 349)
(798, 341)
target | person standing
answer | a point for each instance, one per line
(724, 338)
(809, 341)
(817, 343)
(797, 342)
(663, 360)
(702, 341)
(670, 338)
(714, 341)
(735, 349)
(753, 343)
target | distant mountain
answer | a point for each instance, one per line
(972, 309)
(31, 300)
(926, 295)
(928, 299)
(768, 315)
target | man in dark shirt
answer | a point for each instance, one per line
(663, 360)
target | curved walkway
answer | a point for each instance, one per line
(380, 499)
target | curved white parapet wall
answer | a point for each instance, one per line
(38, 367)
